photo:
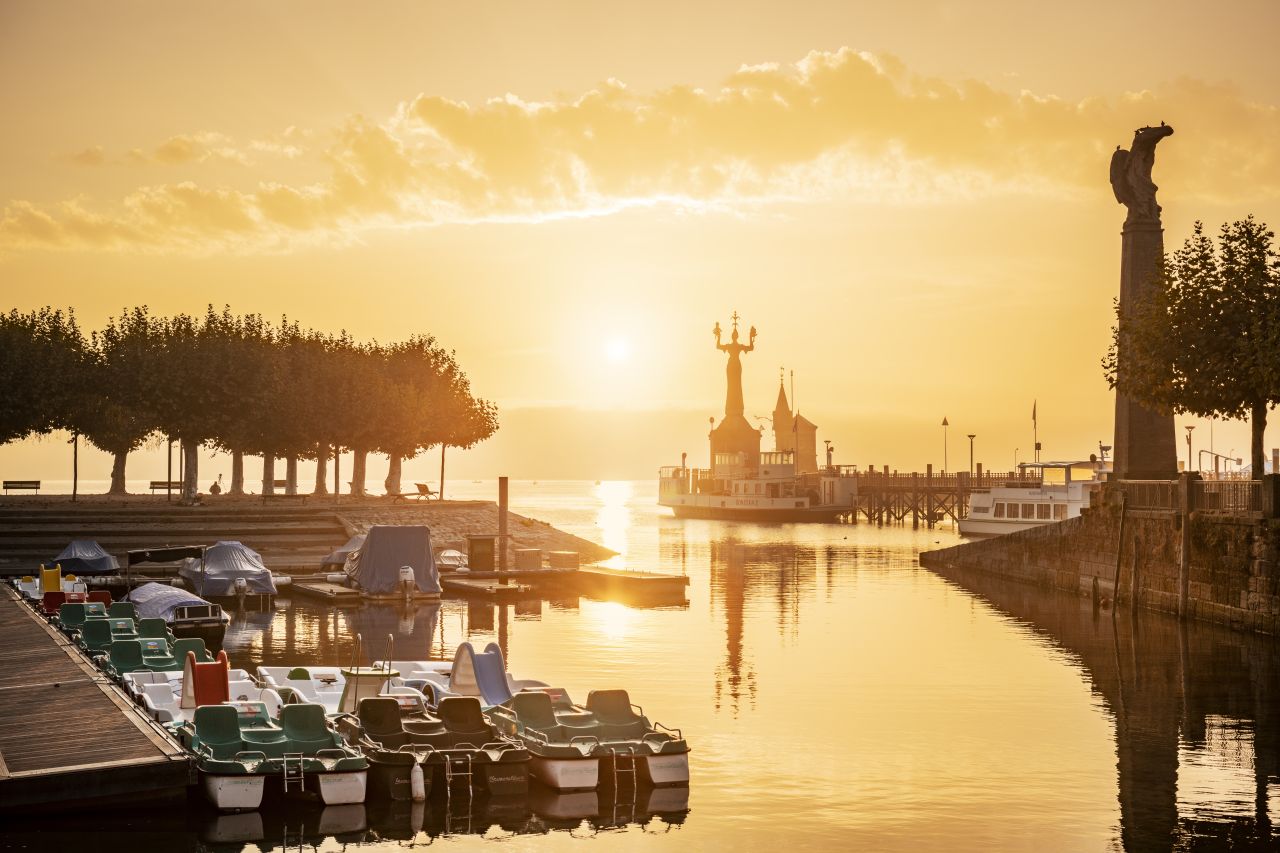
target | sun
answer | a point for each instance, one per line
(617, 349)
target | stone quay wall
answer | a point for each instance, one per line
(1232, 570)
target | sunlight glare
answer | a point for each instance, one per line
(617, 349)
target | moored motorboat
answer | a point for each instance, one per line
(230, 570)
(186, 614)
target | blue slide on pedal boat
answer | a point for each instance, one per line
(610, 741)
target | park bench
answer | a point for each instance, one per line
(423, 493)
(281, 496)
(21, 486)
(165, 486)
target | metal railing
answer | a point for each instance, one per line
(1232, 496)
(1150, 494)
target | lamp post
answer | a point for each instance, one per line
(971, 435)
(1189, 428)
(944, 443)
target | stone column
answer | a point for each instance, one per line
(1145, 444)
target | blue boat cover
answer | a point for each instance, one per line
(224, 563)
(158, 600)
(85, 557)
(376, 566)
(338, 556)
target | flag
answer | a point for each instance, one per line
(1033, 411)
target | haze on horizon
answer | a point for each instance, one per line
(909, 201)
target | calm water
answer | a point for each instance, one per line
(835, 695)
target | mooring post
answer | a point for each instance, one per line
(928, 495)
(1135, 582)
(502, 526)
(1115, 579)
(915, 501)
(1186, 502)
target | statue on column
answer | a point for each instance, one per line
(733, 404)
(1131, 174)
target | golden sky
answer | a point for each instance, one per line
(909, 200)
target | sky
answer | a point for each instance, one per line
(909, 201)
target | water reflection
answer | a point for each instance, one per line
(1196, 710)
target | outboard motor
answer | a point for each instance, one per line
(241, 589)
(407, 581)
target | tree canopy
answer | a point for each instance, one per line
(236, 382)
(1207, 342)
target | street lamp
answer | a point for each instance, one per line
(971, 435)
(1189, 428)
(944, 443)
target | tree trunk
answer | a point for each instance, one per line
(237, 473)
(75, 465)
(392, 483)
(322, 471)
(440, 496)
(359, 456)
(191, 470)
(291, 474)
(268, 473)
(117, 474)
(1258, 426)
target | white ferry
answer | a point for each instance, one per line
(1066, 488)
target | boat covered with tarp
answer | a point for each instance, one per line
(338, 556)
(394, 560)
(187, 614)
(85, 557)
(223, 565)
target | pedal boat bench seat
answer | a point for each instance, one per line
(239, 739)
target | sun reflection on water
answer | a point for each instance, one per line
(613, 518)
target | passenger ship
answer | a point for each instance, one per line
(1066, 488)
(785, 484)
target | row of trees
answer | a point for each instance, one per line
(236, 383)
(1207, 342)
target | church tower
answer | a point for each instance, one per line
(794, 432)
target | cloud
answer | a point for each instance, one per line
(91, 156)
(842, 124)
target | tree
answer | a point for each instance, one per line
(41, 371)
(115, 413)
(1207, 342)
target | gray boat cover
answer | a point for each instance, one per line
(158, 600)
(338, 557)
(224, 562)
(375, 568)
(85, 557)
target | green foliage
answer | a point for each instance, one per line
(1207, 341)
(234, 381)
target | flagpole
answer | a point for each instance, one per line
(1035, 431)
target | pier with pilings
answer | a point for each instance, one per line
(881, 496)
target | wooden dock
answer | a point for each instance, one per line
(325, 591)
(481, 588)
(67, 734)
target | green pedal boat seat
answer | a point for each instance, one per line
(216, 741)
(123, 629)
(156, 655)
(122, 610)
(154, 628)
(618, 720)
(71, 616)
(195, 645)
(259, 732)
(95, 635)
(308, 732)
(125, 656)
(535, 711)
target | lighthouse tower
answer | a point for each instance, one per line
(794, 433)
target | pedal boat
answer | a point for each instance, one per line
(610, 741)
(239, 748)
(462, 747)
